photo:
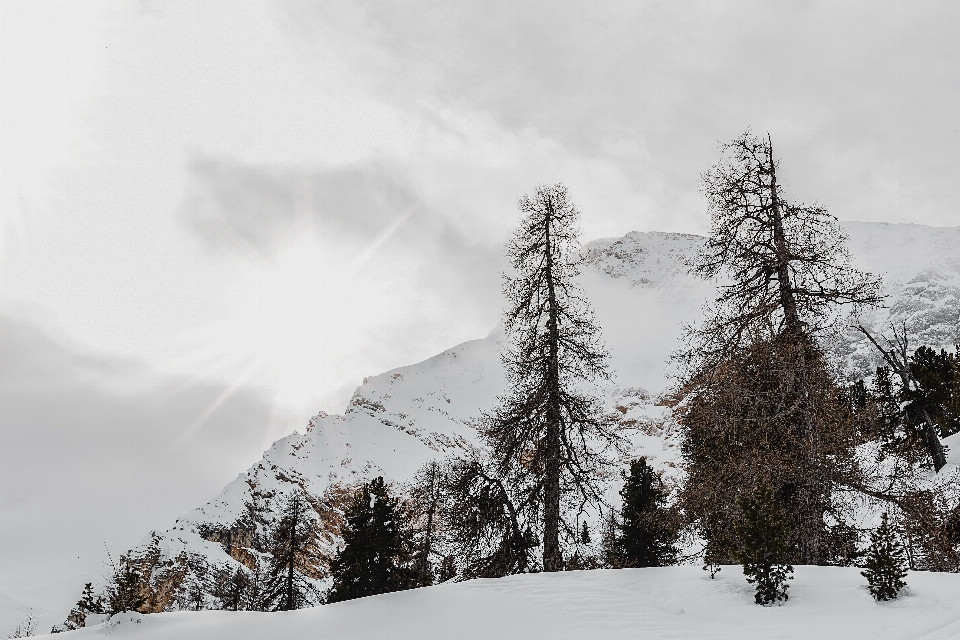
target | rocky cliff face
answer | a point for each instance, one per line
(400, 419)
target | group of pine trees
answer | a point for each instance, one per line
(772, 435)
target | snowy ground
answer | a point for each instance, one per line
(672, 602)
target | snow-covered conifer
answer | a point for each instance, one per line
(89, 603)
(124, 592)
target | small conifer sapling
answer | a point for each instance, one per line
(764, 534)
(885, 563)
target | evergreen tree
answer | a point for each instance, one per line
(294, 561)
(89, 603)
(611, 543)
(765, 535)
(195, 595)
(123, 590)
(253, 598)
(885, 565)
(447, 569)
(375, 558)
(648, 529)
(935, 396)
(234, 590)
(546, 434)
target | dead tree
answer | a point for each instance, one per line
(896, 355)
(546, 434)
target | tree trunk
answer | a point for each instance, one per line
(787, 300)
(552, 557)
(425, 559)
(930, 437)
(809, 516)
(291, 556)
(934, 446)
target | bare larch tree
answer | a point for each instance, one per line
(295, 556)
(786, 271)
(547, 433)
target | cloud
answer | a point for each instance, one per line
(355, 271)
(97, 448)
(856, 94)
(359, 212)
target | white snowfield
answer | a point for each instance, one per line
(670, 602)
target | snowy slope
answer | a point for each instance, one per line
(14, 613)
(671, 602)
(642, 294)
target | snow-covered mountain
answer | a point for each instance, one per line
(642, 293)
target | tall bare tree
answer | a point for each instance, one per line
(546, 434)
(787, 272)
(787, 265)
(426, 494)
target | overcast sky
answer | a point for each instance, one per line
(218, 217)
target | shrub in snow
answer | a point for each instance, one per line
(26, 628)
(764, 534)
(885, 564)
(90, 604)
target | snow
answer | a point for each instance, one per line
(13, 613)
(670, 602)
